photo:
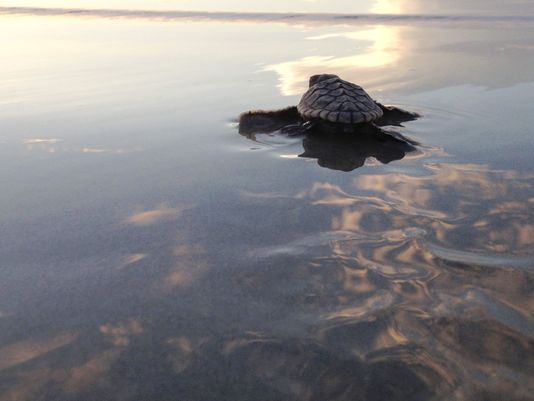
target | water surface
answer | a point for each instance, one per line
(151, 252)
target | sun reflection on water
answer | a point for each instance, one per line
(381, 50)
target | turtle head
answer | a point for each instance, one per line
(320, 77)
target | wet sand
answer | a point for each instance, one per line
(151, 252)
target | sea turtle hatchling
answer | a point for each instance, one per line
(330, 98)
(331, 103)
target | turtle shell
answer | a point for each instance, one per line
(332, 99)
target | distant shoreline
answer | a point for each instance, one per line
(284, 18)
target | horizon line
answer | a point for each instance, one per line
(267, 17)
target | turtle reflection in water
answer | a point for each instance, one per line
(341, 122)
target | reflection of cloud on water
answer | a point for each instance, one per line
(104, 150)
(461, 306)
(383, 52)
(162, 213)
(446, 199)
(462, 207)
(39, 141)
(81, 378)
(189, 267)
(24, 351)
(399, 227)
(408, 57)
(120, 333)
(38, 382)
(186, 261)
(453, 223)
(133, 258)
(379, 300)
(455, 194)
(185, 351)
(361, 294)
(53, 145)
(481, 219)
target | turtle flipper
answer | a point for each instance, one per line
(394, 115)
(266, 121)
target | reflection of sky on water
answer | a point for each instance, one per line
(382, 50)
(394, 58)
(145, 245)
(383, 291)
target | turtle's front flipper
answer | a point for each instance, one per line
(394, 116)
(266, 121)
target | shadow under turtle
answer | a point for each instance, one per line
(347, 152)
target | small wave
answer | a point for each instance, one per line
(488, 260)
(306, 244)
(259, 17)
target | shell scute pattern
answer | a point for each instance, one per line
(336, 92)
(330, 80)
(322, 91)
(350, 88)
(336, 100)
(349, 106)
(316, 95)
(325, 101)
(324, 114)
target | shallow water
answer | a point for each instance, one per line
(150, 252)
